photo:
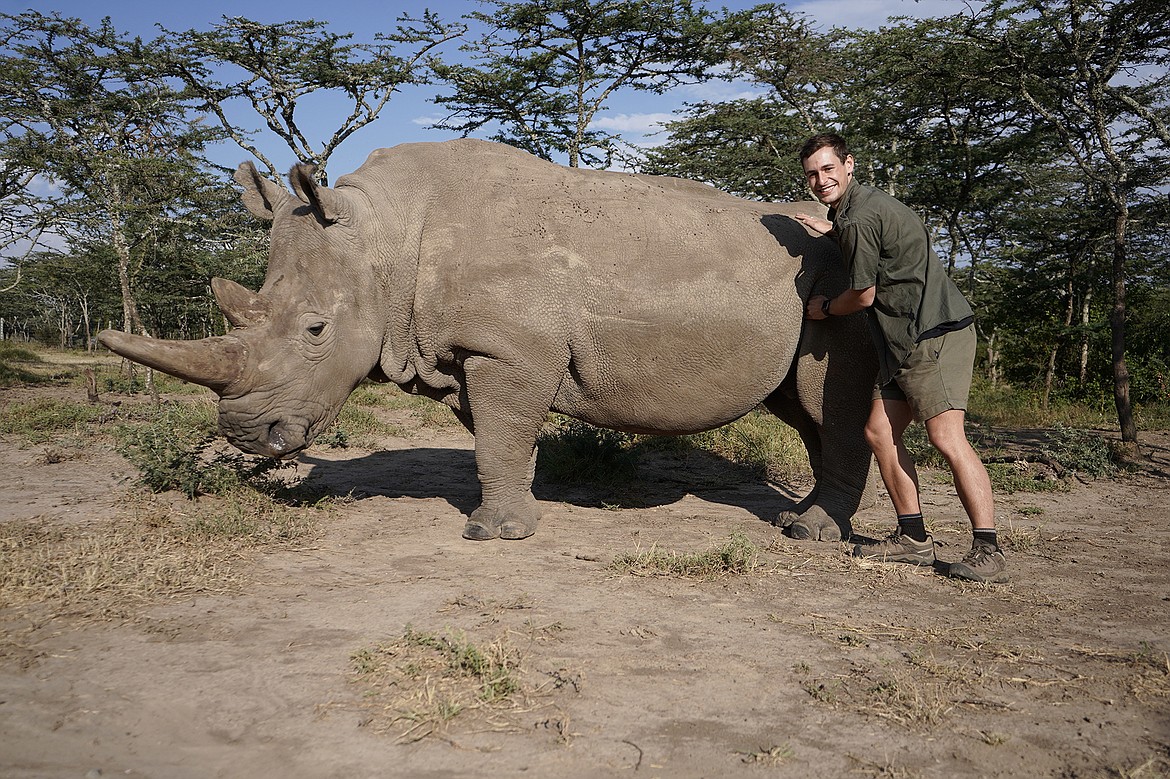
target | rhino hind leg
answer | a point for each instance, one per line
(508, 407)
(816, 517)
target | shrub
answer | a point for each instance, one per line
(576, 452)
(173, 452)
(1080, 451)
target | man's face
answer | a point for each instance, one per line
(827, 175)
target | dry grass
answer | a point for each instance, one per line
(157, 549)
(918, 675)
(737, 556)
(417, 685)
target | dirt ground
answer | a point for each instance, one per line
(808, 664)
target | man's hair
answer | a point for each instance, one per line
(818, 142)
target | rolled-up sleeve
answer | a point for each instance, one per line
(861, 249)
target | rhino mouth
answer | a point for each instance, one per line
(279, 439)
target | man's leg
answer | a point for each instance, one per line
(985, 562)
(948, 435)
(888, 420)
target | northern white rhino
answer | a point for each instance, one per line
(506, 286)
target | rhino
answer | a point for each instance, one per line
(505, 287)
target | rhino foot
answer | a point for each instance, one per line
(515, 529)
(813, 525)
(478, 530)
(513, 523)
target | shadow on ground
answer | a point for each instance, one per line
(449, 474)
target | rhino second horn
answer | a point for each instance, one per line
(211, 362)
(240, 305)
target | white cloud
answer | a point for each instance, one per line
(721, 91)
(44, 187)
(633, 123)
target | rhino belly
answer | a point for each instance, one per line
(642, 376)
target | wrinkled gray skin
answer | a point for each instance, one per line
(505, 286)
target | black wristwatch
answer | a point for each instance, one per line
(825, 307)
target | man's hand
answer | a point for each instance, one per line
(815, 223)
(814, 308)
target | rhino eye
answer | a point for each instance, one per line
(317, 329)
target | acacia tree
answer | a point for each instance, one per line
(745, 147)
(1094, 72)
(274, 68)
(92, 112)
(749, 146)
(545, 68)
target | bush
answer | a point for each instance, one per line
(173, 452)
(579, 453)
(1080, 451)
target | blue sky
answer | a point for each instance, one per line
(407, 116)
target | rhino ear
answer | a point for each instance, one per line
(261, 195)
(240, 305)
(330, 206)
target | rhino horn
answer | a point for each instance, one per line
(261, 195)
(240, 305)
(212, 362)
(330, 206)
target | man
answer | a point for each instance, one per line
(924, 332)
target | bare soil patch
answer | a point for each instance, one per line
(383, 644)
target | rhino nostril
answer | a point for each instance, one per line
(276, 438)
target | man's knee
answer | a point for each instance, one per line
(947, 433)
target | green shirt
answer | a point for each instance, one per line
(885, 245)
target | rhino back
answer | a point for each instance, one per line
(650, 294)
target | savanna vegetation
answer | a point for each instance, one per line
(1031, 136)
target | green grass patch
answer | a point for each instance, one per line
(575, 452)
(738, 555)
(1007, 406)
(357, 425)
(18, 364)
(759, 441)
(430, 413)
(44, 419)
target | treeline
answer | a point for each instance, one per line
(1032, 136)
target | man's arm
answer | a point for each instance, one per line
(848, 302)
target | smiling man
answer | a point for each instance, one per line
(924, 331)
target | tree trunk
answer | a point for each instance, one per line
(992, 360)
(131, 322)
(1117, 329)
(1086, 305)
(1050, 370)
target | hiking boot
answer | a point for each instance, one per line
(984, 563)
(898, 548)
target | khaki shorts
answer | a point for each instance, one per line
(936, 377)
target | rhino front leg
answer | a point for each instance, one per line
(508, 407)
